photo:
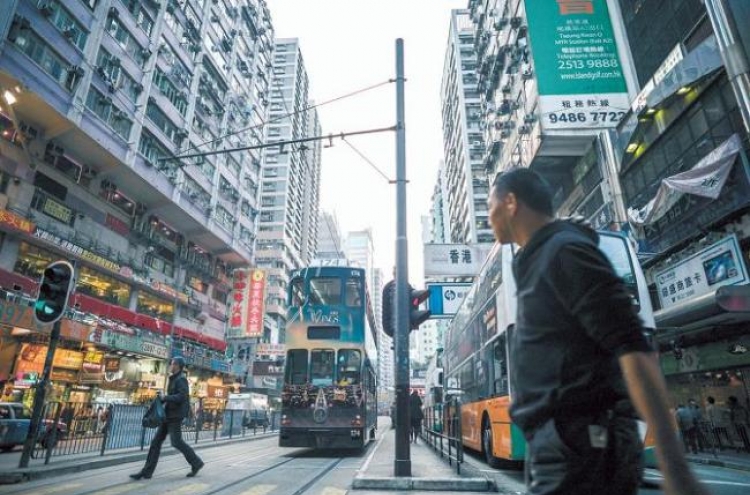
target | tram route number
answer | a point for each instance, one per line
(585, 117)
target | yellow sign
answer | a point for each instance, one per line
(58, 211)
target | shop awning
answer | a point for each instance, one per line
(726, 305)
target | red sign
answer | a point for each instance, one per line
(247, 304)
(116, 225)
(256, 303)
(10, 219)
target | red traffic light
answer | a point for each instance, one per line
(416, 315)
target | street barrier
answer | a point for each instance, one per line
(444, 433)
(82, 429)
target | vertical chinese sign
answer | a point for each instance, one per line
(237, 325)
(577, 64)
(256, 303)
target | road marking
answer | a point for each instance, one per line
(115, 490)
(56, 489)
(258, 490)
(189, 489)
(728, 483)
(330, 490)
(372, 454)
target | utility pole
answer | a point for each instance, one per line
(402, 461)
(733, 54)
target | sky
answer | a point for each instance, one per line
(348, 45)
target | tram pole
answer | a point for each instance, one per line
(402, 459)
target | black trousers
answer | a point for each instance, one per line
(561, 460)
(173, 429)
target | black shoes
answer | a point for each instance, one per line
(138, 476)
(195, 470)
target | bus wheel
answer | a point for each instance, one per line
(492, 461)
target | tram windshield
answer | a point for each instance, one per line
(349, 366)
(321, 364)
(298, 292)
(353, 292)
(296, 367)
(325, 290)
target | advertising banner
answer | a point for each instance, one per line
(705, 271)
(458, 260)
(274, 350)
(578, 68)
(237, 324)
(15, 222)
(256, 303)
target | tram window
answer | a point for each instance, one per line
(298, 292)
(353, 292)
(349, 366)
(325, 290)
(500, 368)
(296, 367)
(321, 362)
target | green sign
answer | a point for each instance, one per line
(578, 68)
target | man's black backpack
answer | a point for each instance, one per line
(155, 415)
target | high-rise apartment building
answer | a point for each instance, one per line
(359, 251)
(439, 227)
(98, 99)
(290, 184)
(466, 178)
(385, 353)
(330, 244)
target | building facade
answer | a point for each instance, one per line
(688, 117)
(290, 183)
(466, 178)
(330, 244)
(551, 98)
(98, 99)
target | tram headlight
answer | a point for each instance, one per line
(285, 421)
(357, 421)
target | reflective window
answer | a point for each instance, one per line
(296, 367)
(298, 292)
(349, 367)
(354, 292)
(321, 367)
(325, 290)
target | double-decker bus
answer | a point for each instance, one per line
(476, 355)
(329, 399)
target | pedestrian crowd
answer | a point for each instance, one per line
(715, 427)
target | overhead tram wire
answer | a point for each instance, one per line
(369, 162)
(330, 137)
(289, 114)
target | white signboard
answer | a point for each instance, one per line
(457, 260)
(446, 298)
(275, 350)
(719, 264)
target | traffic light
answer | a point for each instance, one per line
(56, 283)
(417, 316)
(389, 295)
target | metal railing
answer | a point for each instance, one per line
(442, 432)
(82, 429)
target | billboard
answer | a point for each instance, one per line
(247, 304)
(578, 68)
(705, 271)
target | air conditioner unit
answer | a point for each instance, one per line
(113, 12)
(529, 119)
(45, 9)
(70, 32)
(524, 129)
(527, 73)
(88, 172)
(505, 133)
(515, 22)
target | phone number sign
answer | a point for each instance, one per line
(577, 64)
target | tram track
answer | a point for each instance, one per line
(114, 470)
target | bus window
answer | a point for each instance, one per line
(325, 290)
(353, 291)
(349, 366)
(321, 363)
(499, 368)
(298, 292)
(296, 367)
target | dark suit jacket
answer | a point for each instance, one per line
(177, 400)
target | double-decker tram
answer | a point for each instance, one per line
(329, 399)
(476, 357)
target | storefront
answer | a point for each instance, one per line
(32, 260)
(154, 306)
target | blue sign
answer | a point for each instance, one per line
(446, 298)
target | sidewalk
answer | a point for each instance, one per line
(429, 471)
(728, 458)
(60, 465)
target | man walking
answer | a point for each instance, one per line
(580, 356)
(177, 405)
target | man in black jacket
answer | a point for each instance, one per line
(580, 361)
(177, 408)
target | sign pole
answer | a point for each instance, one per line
(402, 461)
(39, 396)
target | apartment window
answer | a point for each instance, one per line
(53, 64)
(155, 115)
(170, 91)
(108, 67)
(142, 19)
(64, 22)
(126, 40)
(151, 149)
(103, 108)
(224, 218)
